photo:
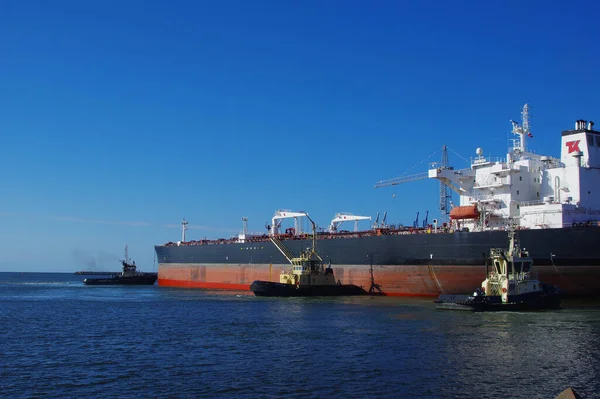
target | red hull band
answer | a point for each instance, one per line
(245, 287)
(417, 281)
(203, 285)
(405, 280)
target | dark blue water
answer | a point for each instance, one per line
(59, 338)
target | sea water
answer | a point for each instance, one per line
(61, 339)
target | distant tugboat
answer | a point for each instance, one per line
(308, 276)
(129, 276)
(510, 284)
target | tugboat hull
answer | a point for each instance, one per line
(532, 301)
(145, 279)
(272, 289)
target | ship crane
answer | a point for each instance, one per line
(286, 214)
(340, 218)
(445, 185)
(310, 254)
(381, 225)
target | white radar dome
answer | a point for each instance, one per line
(479, 151)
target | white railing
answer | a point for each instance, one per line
(480, 160)
(531, 203)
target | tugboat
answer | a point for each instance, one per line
(129, 276)
(308, 276)
(510, 284)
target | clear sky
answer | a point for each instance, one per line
(119, 118)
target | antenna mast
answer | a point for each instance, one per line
(445, 194)
(525, 118)
(521, 131)
(184, 224)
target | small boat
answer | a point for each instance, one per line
(309, 276)
(129, 276)
(510, 284)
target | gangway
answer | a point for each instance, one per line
(282, 248)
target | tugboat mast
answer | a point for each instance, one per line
(514, 247)
(314, 238)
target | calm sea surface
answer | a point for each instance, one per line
(59, 338)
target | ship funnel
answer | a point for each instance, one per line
(580, 124)
(590, 125)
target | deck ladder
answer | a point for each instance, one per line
(286, 252)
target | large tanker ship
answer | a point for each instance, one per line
(554, 203)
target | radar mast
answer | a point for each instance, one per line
(184, 224)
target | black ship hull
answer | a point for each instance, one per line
(272, 289)
(142, 279)
(404, 263)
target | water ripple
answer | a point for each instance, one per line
(71, 341)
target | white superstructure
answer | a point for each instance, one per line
(535, 190)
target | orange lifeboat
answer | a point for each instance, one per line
(464, 212)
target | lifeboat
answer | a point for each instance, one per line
(464, 212)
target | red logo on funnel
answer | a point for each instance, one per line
(573, 146)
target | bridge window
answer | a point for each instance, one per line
(518, 267)
(497, 266)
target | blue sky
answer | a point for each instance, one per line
(118, 118)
